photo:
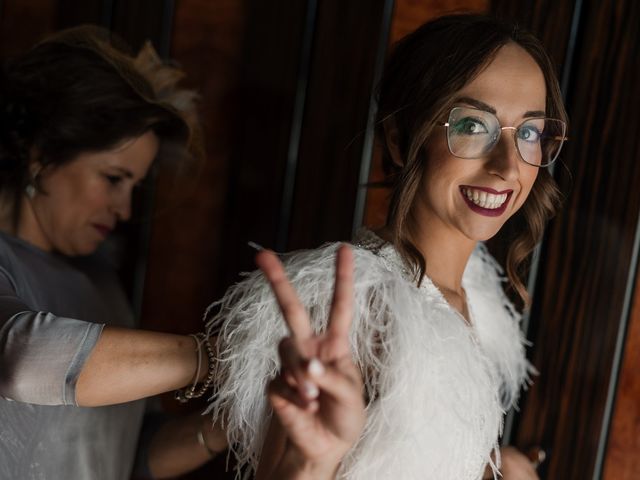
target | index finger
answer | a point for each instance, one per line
(342, 304)
(294, 313)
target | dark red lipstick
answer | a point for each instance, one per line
(487, 212)
(103, 229)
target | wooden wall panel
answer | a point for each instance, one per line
(188, 218)
(23, 22)
(587, 256)
(267, 96)
(344, 58)
(623, 449)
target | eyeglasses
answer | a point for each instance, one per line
(473, 133)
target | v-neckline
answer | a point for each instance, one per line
(368, 239)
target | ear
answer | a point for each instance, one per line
(35, 166)
(391, 138)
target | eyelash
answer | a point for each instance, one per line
(113, 179)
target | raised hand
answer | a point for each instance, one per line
(318, 394)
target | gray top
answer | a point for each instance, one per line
(43, 346)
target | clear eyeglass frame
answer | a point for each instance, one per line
(555, 139)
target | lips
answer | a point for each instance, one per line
(102, 229)
(486, 201)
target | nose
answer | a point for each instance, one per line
(504, 159)
(121, 206)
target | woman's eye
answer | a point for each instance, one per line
(529, 134)
(113, 179)
(469, 126)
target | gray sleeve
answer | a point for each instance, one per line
(41, 355)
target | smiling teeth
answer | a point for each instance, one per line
(484, 199)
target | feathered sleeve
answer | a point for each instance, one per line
(497, 324)
(249, 326)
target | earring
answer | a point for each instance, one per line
(30, 190)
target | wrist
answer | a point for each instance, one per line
(295, 466)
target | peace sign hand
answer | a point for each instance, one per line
(318, 394)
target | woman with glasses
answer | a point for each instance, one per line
(470, 117)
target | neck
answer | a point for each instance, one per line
(446, 252)
(29, 229)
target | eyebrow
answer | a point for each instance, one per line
(125, 172)
(488, 108)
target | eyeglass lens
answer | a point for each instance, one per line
(473, 133)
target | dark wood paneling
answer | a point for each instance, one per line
(23, 22)
(143, 20)
(187, 231)
(77, 12)
(270, 88)
(586, 259)
(335, 119)
(623, 450)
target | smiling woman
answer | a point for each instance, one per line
(469, 117)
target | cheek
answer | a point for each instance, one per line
(527, 180)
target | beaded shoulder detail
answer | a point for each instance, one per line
(388, 255)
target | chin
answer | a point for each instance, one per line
(482, 235)
(83, 249)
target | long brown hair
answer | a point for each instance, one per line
(419, 84)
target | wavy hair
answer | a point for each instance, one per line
(422, 76)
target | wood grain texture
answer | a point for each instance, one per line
(187, 222)
(266, 92)
(335, 119)
(623, 449)
(586, 259)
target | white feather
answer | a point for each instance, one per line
(438, 387)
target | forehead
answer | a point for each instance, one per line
(134, 155)
(512, 83)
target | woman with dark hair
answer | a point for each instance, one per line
(470, 117)
(81, 122)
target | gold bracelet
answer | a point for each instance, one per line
(183, 395)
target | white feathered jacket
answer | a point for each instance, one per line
(439, 388)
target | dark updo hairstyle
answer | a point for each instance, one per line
(78, 91)
(422, 76)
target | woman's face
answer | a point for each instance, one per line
(475, 197)
(83, 200)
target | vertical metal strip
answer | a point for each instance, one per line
(106, 16)
(617, 356)
(148, 201)
(367, 147)
(164, 42)
(535, 257)
(286, 205)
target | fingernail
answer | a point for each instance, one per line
(311, 390)
(315, 367)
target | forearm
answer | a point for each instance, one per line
(127, 365)
(175, 448)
